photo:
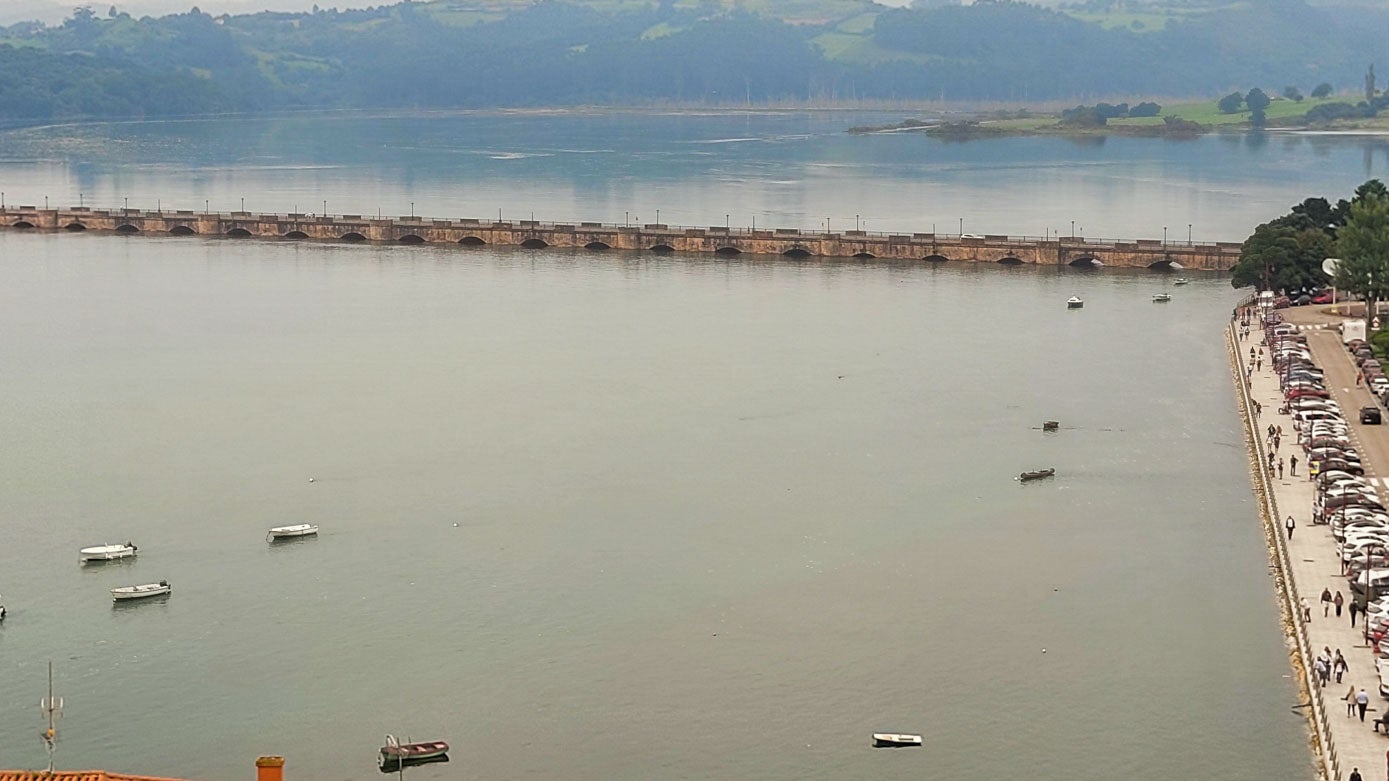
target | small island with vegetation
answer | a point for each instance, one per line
(1252, 110)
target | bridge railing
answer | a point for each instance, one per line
(739, 231)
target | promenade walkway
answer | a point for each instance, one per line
(1310, 555)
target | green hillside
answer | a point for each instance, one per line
(483, 53)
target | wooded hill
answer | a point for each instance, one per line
(510, 53)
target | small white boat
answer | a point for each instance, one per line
(2, 608)
(108, 552)
(893, 739)
(140, 592)
(1074, 302)
(1161, 298)
(1180, 281)
(297, 530)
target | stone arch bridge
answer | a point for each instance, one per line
(786, 242)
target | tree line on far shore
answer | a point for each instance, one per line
(1287, 254)
(450, 54)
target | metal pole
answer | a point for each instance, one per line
(658, 216)
(243, 203)
(1164, 237)
(856, 223)
(1073, 229)
(325, 209)
(725, 222)
(79, 200)
(1188, 234)
(962, 227)
(45, 203)
(207, 207)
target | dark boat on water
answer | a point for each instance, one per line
(1051, 425)
(1037, 475)
(396, 754)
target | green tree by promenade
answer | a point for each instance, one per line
(1280, 256)
(1363, 247)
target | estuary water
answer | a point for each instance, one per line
(630, 516)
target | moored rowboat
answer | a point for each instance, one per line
(1036, 475)
(894, 739)
(108, 552)
(297, 530)
(395, 753)
(142, 591)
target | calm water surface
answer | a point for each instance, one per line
(619, 515)
(798, 170)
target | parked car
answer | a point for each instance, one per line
(1323, 297)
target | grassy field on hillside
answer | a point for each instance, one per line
(1207, 113)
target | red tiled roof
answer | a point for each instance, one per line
(74, 776)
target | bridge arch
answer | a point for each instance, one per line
(1009, 260)
(797, 252)
(74, 227)
(23, 224)
(597, 245)
(1166, 264)
(239, 233)
(662, 249)
(296, 235)
(182, 230)
(534, 244)
(936, 258)
(471, 241)
(352, 236)
(1086, 261)
(864, 255)
(412, 238)
(126, 227)
(728, 251)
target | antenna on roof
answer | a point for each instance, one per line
(52, 708)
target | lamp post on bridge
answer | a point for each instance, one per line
(1164, 237)
(1073, 229)
(1188, 234)
(725, 223)
(962, 227)
(127, 204)
(207, 206)
(79, 200)
(325, 209)
(243, 203)
(856, 223)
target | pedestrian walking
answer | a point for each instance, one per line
(1306, 609)
(1319, 670)
(1359, 377)
(1270, 431)
(1290, 524)
(1350, 701)
(1292, 465)
(1339, 666)
(1326, 609)
(1270, 462)
(1280, 477)
(1278, 432)
(1277, 442)
(1259, 365)
(1362, 701)
(1338, 601)
(1354, 775)
(1354, 608)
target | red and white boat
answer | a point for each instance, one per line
(395, 754)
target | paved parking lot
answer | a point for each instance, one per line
(1312, 550)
